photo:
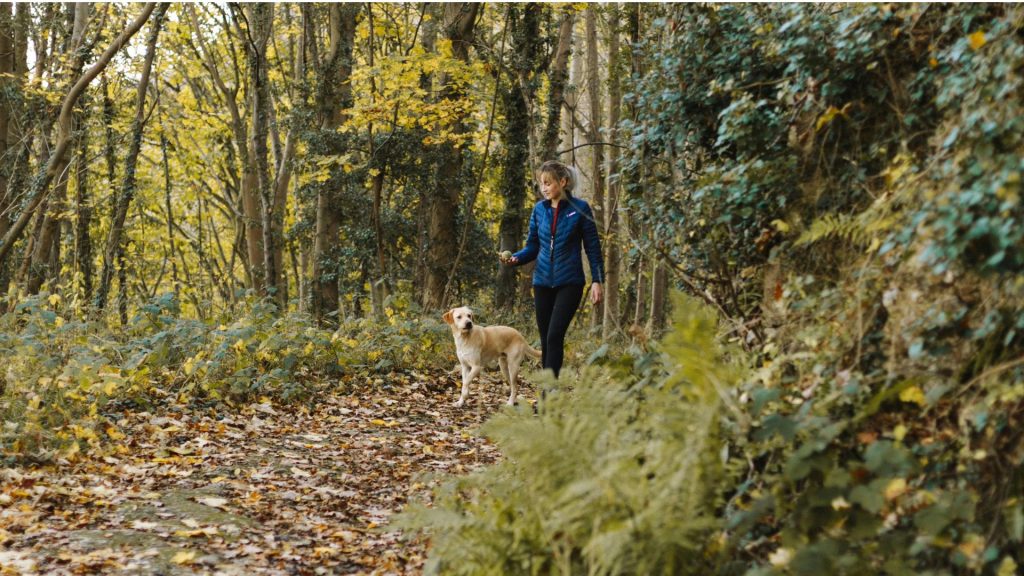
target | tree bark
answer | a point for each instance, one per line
(7, 102)
(594, 136)
(572, 105)
(613, 250)
(41, 182)
(442, 222)
(114, 244)
(636, 228)
(260, 16)
(382, 282)
(83, 206)
(334, 95)
(429, 39)
(46, 246)
(526, 47)
(659, 297)
(558, 77)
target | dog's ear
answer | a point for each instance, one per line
(447, 317)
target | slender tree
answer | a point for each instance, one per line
(459, 21)
(428, 44)
(594, 134)
(83, 213)
(526, 45)
(127, 192)
(8, 87)
(559, 75)
(247, 217)
(612, 243)
(638, 279)
(334, 98)
(13, 30)
(259, 18)
(46, 242)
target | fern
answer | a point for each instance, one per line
(611, 477)
(856, 229)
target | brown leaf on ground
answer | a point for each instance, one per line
(266, 490)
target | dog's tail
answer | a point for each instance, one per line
(533, 352)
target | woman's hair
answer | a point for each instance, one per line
(560, 171)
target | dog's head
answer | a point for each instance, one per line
(459, 318)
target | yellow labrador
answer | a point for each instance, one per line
(479, 346)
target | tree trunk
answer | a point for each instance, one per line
(12, 78)
(428, 42)
(558, 77)
(659, 297)
(594, 136)
(459, 19)
(8, 99)
(525, 44)
(40, 184)
(334, 97)
(613, 251)
(260, 16)
(381, 287)
(83, 218)
(45, 248)
(572, 104)
(115, 240)
(171, 251)
(638, 290)
(282, 180)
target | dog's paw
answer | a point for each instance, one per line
(460, 403)
(510, 402)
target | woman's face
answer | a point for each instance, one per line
(551, 186)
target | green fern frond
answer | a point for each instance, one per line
(609, 478)
(857, 229)
(840, 226)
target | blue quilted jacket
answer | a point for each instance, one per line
(559, 262)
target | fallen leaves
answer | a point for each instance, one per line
(267, 489)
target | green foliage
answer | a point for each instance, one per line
(66, 377)
(864, 161)
(617, 473)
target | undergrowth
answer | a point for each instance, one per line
(66, 377)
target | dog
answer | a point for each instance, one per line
(479, 346)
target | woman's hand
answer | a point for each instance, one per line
(596, 293)
(507, 258)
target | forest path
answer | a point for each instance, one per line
(266, 490)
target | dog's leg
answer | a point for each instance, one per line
(503, 364)
(468, 374)
(465, 383)
(513, 374)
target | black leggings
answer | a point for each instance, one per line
(555, 310)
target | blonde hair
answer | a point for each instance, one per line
(560, 171)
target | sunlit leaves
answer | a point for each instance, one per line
(401, 101)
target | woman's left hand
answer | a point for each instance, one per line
(596, 293)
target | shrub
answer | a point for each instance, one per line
(618, 473)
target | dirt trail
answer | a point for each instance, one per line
(267, 490)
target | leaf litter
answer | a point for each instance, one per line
(264, 490)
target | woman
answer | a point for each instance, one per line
(559, 226)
